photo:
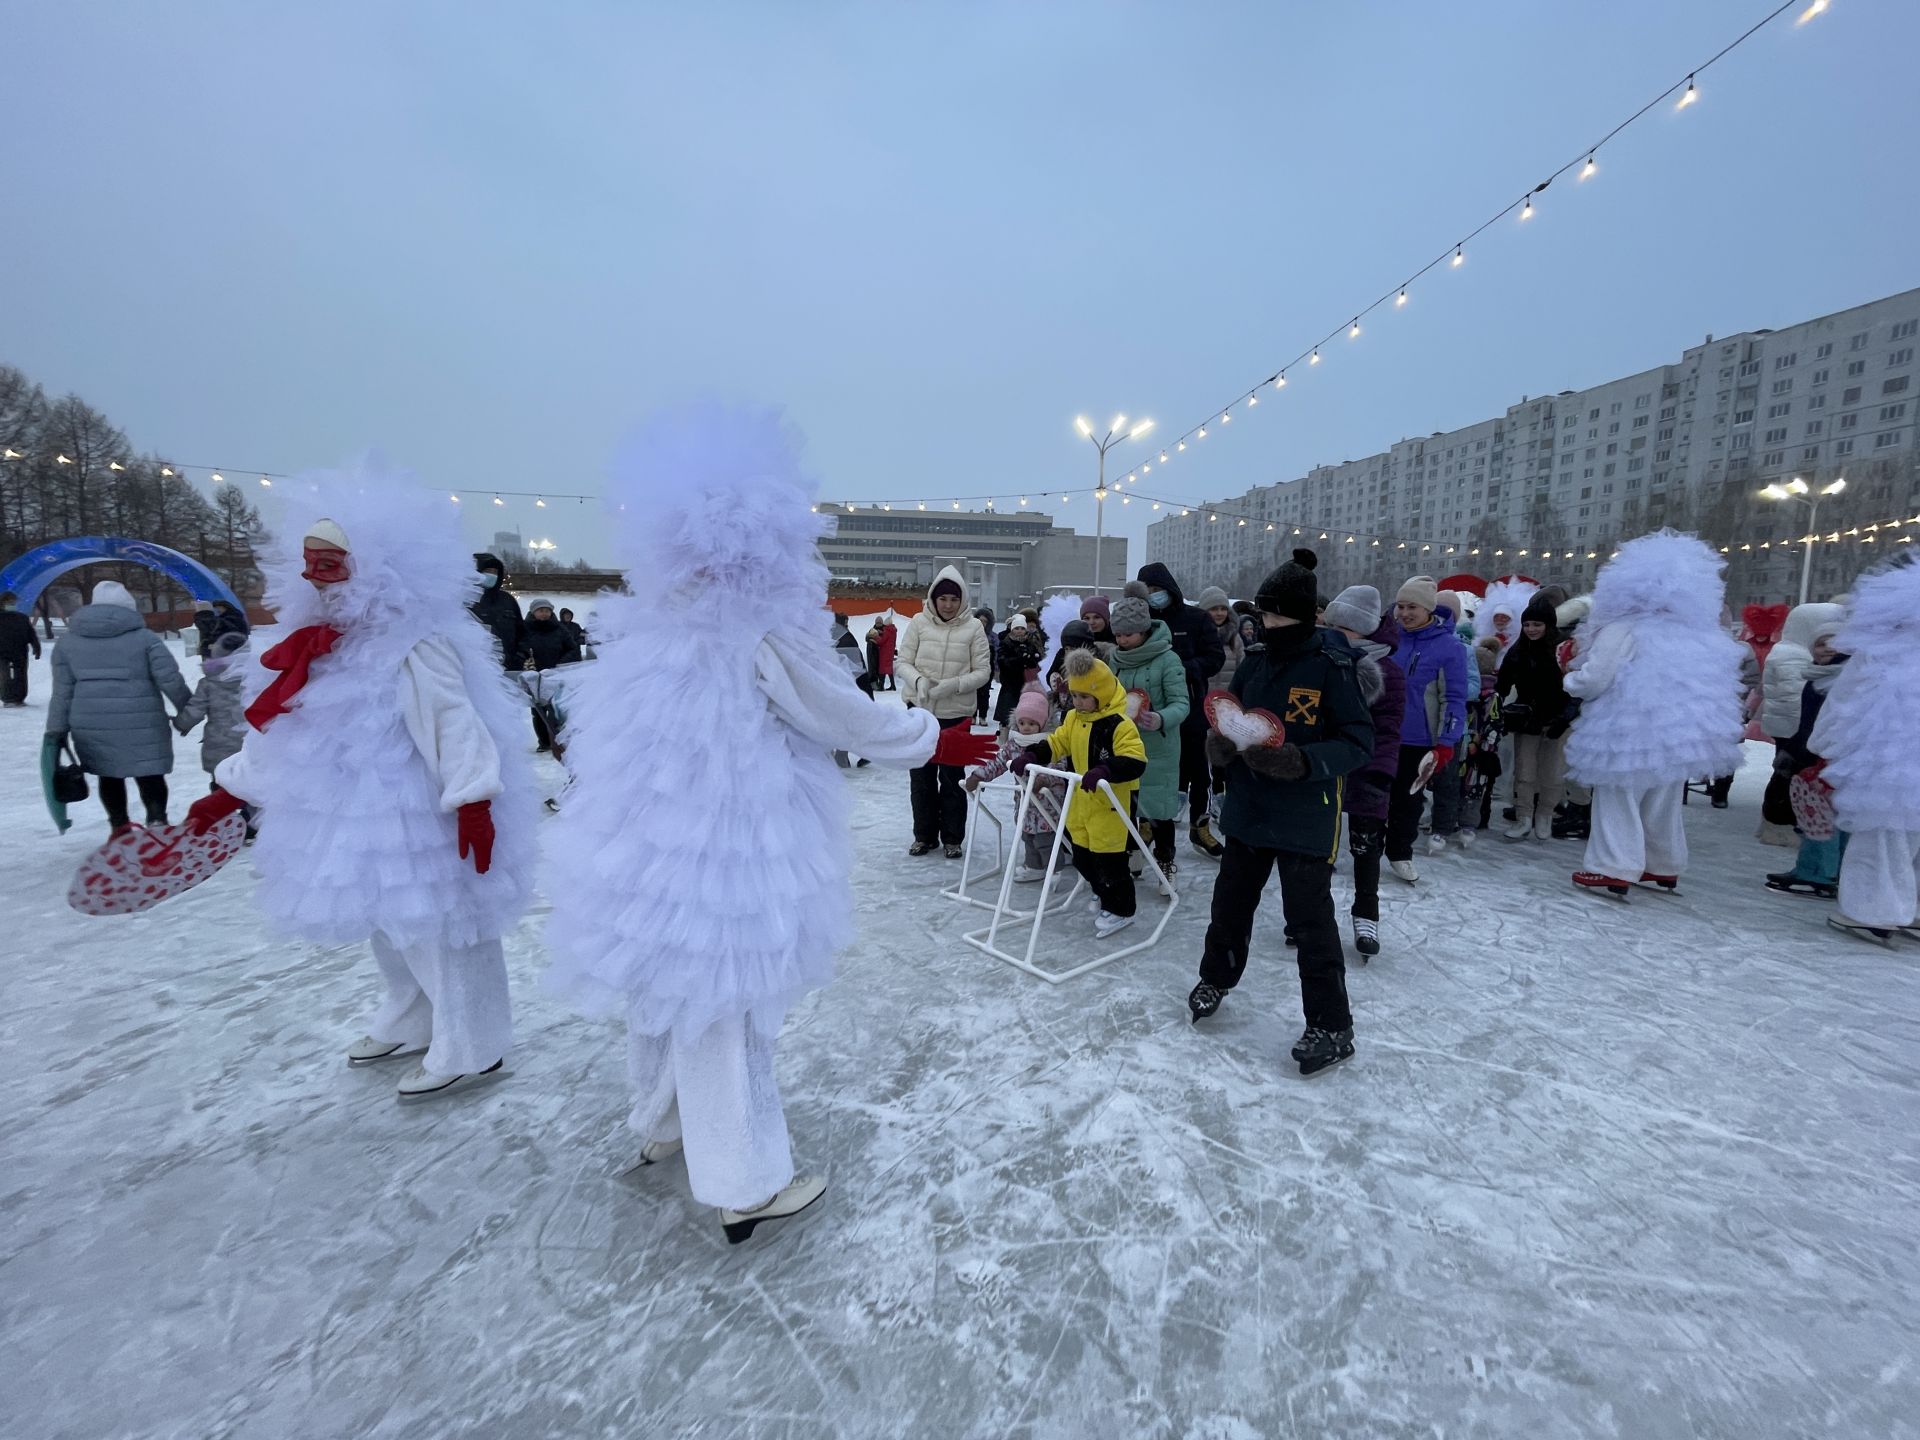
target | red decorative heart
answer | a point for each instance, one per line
(1137, 702)
(1248, 729)
(140, 867)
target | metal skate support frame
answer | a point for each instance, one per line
(988, 939)
(1003, 858)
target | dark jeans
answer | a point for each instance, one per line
(153, 795)
(1306, 900)
(983, 702)
(1404, 810)
(1110, 878)
(13, 687)
(1196, 777)
(1366, 839)
(939, 801)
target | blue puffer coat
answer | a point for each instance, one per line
(109, 672)
(1439, 681)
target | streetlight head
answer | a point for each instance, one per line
(1119, 423)
(1100, 494)
(1797, 485)
(1836, 487)
(1080, 423)
(1773, 492)
(1142, 428)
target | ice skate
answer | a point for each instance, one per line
(1877, 934)
(422, 1082)
(1319, 1049)
(1910, 932)
(654, 1152)
(1436, 844)
(1168, 870)
(1289, 939)
(1204, 841)
(798, 1195)
(1366, 936)
(1203, 1000)
(1575, 824)
(1543, 826)
(1105, 924)
(369, 1051)
(1588, 880)
(1464, 838)
(1519, 829)
(1787, 883)
(1403, 870)
(920, 847)
(1668, 883)
(956, 852)
(1028, 875)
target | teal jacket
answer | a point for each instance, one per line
(1153, 668)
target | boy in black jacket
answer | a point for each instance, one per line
(1283, 810)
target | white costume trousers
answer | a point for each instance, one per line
(452, 1000)
(716, 1095)
(1880, 877)
(1637, 832)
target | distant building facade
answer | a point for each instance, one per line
(1569, 476)
(1008, 556)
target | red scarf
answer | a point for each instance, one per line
(290, 657)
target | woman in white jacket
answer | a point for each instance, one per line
(387, 753)
(702, 861)
(1659, 683)
(941, 665)
(1781, 682)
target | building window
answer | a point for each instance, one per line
(1810, 454)
(1858, 342)
(1842, 447)
(1639, 462)
(1814, 427)
(1743, 417)
(1607, 470)
(1752, 367)
(1904, 329)
(1850, 396)
(1856, 367)
(1742, 440)
(1776, 435)
(1594, 414)
(1902, 356)
(1772, 458)
(1774, 412)
(1783, 387)
(1824, 351)
(1847, 422)
(1639, 422)
(1816, 402)
(1819, 378)
(1787, 361)
(1894, 412)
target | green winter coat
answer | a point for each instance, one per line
(1156, 670)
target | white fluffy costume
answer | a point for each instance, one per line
(1506, 596)
(361, 779)
(1659, 682)
(1864, 732)
(701, 871)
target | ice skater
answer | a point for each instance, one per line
(397, 802)
(701, 867)
(1658, 682)
(1282, 811)
(219, 702)
(1862, 733)
(1042, 820)
(1356, 613)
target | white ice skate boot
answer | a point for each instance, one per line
(1028, 875)
(368, 1051)
(1521, 827)
(1403, 870)
(655, 1152)
(1465, 837)
(422, 1082)
(1436, 844)
(802, 1192)
(1105, 924)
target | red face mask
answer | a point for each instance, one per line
(326, 565)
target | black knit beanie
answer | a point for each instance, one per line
(1291, 590)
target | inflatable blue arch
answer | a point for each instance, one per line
(37, 569)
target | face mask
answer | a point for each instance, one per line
(325, 566)
(1159, 599)
(8, 607)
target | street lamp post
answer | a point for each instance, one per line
(1116, 432)
(540, 548)
(1797, 489)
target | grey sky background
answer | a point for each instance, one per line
(490, 237)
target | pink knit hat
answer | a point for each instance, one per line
(1032, 706)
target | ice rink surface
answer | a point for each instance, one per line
(1641, 1169)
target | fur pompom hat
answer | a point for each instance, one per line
(1131, 617)
(1291, 591)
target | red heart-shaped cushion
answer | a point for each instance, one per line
(140, 867)
(1248, 729)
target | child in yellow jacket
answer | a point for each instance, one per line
(1099, 742)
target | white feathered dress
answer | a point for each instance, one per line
(1659, 685)
(407, 719)
(703, 852)
(1865, 734)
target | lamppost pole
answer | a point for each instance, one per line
(1103, 443)
(1798, 489)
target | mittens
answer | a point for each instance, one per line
(476, 834)
(1094, 775)
(209, 810)
(1019, 763)
(1284, 762)
(1221, 752)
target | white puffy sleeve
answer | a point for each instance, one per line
(234, 774)
(1599, 666)
(445, 727)
(813, 694)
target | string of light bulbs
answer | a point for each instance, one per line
(1585, 162)
(217, 475)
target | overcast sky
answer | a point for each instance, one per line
(489, 237)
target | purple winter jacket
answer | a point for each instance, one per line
(1369, 787)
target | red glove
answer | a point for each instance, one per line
(1442, 757)
(476, 834)
(209, 810)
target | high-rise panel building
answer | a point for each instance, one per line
(1550, 486)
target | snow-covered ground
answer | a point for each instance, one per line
(1637, 1170)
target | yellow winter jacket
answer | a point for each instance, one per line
(1103, 737)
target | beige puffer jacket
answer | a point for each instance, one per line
(942, 665)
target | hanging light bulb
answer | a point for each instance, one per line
(1526, 211)
(62, 460)
(1156, 504)
(498, 501)
(1816, 8)
(1353, 330)
(216, 477)
(266, 482)
(456, 500)
(1459, 255)
(115, 465)
(1226, 417)
(1243, 521)
(1688, 98)
(1253, 399)
(1269, 524)
(1314, 359)
(1163, 457)
(1349, 539)
(540, 503)
(1587, 170)
(1023, 499)
(1181, 446)
(1401, 299)
(164, 469)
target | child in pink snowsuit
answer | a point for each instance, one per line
(1030, 723)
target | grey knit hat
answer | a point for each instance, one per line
(1213, 597)
(1356, 608)
(1131, 616)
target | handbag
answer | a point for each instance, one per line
(69, 780)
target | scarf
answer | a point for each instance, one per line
(290, 657)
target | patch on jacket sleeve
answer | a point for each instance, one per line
(1303, 706)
